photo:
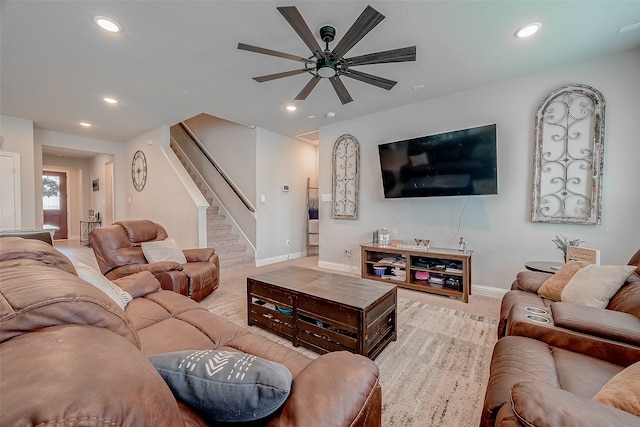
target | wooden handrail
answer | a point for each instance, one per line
(217, 167)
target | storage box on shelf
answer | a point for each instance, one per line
(435, 270)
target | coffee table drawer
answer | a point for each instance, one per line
(338, 313)
(270, 293)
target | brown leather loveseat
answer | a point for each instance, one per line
(72, 356)
(563, 364)
(118, 250)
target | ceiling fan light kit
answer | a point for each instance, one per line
(331, 64)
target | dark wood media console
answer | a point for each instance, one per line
(324, 311)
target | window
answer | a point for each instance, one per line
(50, 192)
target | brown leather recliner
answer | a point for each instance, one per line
(611, 334)
(119, 253)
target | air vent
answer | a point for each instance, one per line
(313, 136)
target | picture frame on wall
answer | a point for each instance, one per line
(96, 184)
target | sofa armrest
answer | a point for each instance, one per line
(336, 389)
(81, 375)
(154, 268)
(545, 406)
(199, 255)
(530, 281)
(610, 324)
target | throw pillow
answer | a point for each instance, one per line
(94, 277)
(594, 285)
(622, 390)
(225, 386)
(163, 250)
(553, 286)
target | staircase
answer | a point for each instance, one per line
(233, 254)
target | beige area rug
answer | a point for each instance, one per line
(435, 374)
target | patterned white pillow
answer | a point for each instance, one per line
(94, 277)
(163, 250)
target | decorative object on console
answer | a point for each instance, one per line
(569, 156)
(346, 178)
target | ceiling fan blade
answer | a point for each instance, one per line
(365, 23)
(341, 91)
(297, 22)
(380, 82)
(403, 54)
(269, 77)
(306, 90)
(270, 52)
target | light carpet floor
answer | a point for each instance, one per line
(435, 374)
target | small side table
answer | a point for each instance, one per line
(85, 229)
(543, 266)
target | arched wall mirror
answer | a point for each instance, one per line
(569, 156)
(346, 177)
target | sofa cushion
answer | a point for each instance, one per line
(594, 285)
(76, 375)
(163, 250)
(225, 386)
(138, 284)
(94, 277)
(622, 390)
(553, 286)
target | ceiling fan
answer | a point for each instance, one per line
(331, 64)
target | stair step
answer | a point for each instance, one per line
(230, 249)
(236, 262)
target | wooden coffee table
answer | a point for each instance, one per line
(324, 311)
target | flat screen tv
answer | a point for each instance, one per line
(457, 163)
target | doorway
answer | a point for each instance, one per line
(54, 202)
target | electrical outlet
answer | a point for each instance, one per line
(347, 252)
(287, 242)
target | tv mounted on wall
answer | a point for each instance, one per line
(457, 163)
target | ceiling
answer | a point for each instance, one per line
(176, 59)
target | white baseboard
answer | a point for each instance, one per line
(482, 290)
(280, 258)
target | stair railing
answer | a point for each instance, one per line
(218, 168)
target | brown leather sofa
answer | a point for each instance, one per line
(552, 358)
(533, 383)
(119, 253)
(611, 334)
(72, 356)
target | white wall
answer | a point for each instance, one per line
(498, 228)
(282, 161)
(163, 199)
(17, 137)
(108, 150)
(233, 146)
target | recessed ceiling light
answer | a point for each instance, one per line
(311, 117)
(107, 24)
(85, 124)
(291, 108)
(330, 115)
(528, 30)
(109, 100)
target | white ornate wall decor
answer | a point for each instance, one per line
(346, 177)
(569, 156)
